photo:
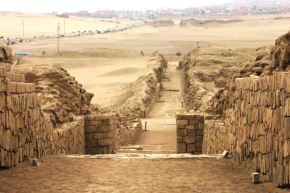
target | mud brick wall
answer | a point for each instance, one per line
(215, 137)
(189, 130)
(130, 135)
(261, 118)
(100, 132)
(70, 138)
(6, 66)
(257, 126)
(25, 130)
(15, 77)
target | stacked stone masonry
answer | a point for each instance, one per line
(70, 138)
(130, 135)
(215, 137)
(25, 130)
(189, 130)
(256, 127)
(21, 121)
(100, 131)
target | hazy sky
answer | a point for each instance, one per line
(93, 5)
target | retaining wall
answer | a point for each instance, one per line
(215, 137)
(69, 138)
(25, 130)
(256, 127)
(129, 135)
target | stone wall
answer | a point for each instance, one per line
(145, 92)
(69, 138)
(22, 131)
(155, 97)
(129, 135)
(256, 126)
(189, 129)
(25, 130)
(100, 133)
(215, 137)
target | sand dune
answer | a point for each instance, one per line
(121, 72)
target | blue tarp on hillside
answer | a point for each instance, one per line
(22, 54)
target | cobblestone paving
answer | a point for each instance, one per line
(68, 174)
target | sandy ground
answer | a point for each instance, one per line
(61, 174)
(169, 40)
(109, 55)
(46, 24)
(107, 78)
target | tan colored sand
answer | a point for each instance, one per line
(46, 24)
(106, 63)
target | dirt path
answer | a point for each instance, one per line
(59, 174)
(161, 134)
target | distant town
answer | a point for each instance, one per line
(188, 12)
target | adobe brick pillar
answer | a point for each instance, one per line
(189, 129)
(100, 133)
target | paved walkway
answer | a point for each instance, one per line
(161, 123)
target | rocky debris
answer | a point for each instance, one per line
(257, 64)
(280, 54)
(6, 54)
(206, 71)
(265, 61)
(62, 96)
(269, 60)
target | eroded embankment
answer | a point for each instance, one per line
(206, 71)
(144, 93)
